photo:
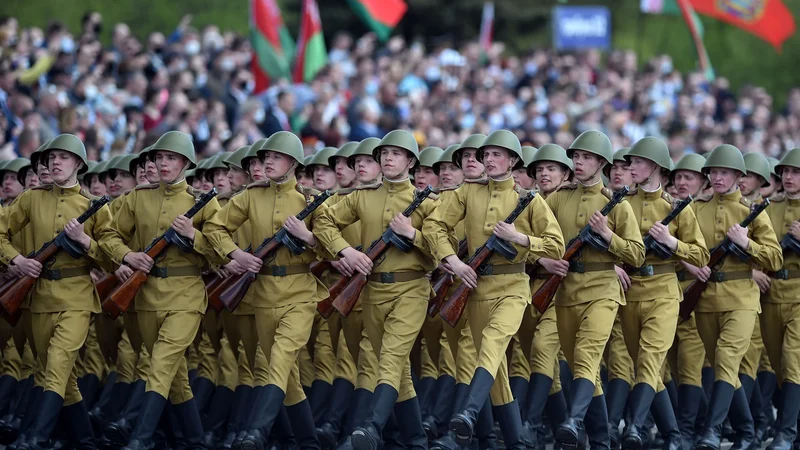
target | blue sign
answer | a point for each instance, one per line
(581, 27)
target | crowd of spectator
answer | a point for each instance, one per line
(118, 97)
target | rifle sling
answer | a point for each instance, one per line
(60, 274)
(282, 271)
(582, 267)
(395, 277)
(502, 269)
(650, 270)
(183, 271)
(785, 274)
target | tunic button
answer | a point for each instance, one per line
(62, 201)
(59, 215)
(163, 212)
(491, 209)
(495, 196)
(645, 204)
(580, 215)
(387, 210)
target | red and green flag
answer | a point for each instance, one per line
(770, 20)
(311, 53)
(381, 16)
(696, 29)
(272, 44)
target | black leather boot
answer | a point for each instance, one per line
(219, 411)
(442, 409)
(689, 398)
(79, 426)
(267, 404)
(321, 392)
(368, 436)
(203, 390)
(571, 434)
(741, 421)
(508, 416)
(463, 423)
(44, 422)
(447, 439)
(667, 424)
(718, 406)
(597, 426)
(639, 402)
(538, 391)
(153, 405)
(556, 410)
(119, 431)
(328, 432)
(519, 390)
(412, 435)
(787, 418)
(237, 417)
(303, 428)
(616, 399)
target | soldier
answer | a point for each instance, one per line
(92, 178)
(496, 303)
(303, 177)
(778, 316)
(756, 178)
(588, 299)
(775, 185)
(63, 297)
(395, 299)
(171, 303)
(285, 293)
(727, 309)
(652, 299)
(520, 175)
(9, 174)
(345, 175)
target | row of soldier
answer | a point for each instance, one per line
(274, 371)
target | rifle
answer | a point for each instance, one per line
(120, 299)
(452, 310)
(216, 285)
(347, 290)
(545, 294)
(15, 291)
(105, 285)
(234, 293)
(442, 282)
(652, 245)
(691, 295)
(788, 242)
(325, 307)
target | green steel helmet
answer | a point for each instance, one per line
(671, 165)
(235, 159)
(430, 156)
(285, 143)
(15, 165)
(652, 149)
(790, 159)
(365, 147)
(218, 161)
(321, 157)
(691, 162)
(550, 152)
(21, 174)
(71, 144)
(759, 165)
(252, 153)
(619, 155)
(38, 154)
(202, 166)
(772, 163)
(471, 142)
(594, 142)
(503, 139)
(344, 152)
(190, 175)
(398, 138)
(176, 142)
(447, 156)
(725, 156)
(528, 153)
(306, 161)
(122, 162)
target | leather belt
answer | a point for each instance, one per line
(785, 274)
(650, 270)
(395, 277)
(502, 269)
(60, 274)
(685, 276)
(282, 271)
(582, 267)
(720, 277)
(168, 272)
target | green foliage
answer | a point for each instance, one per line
(735, 54)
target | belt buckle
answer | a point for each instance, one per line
(717, 277)
(681, 275)
(52, 275)
(387, 277)
(278, 271)
(159, 272)
(577, 267)
(782, 274)
(646, 271)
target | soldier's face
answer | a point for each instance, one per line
(63, 166)
(450, 175)
(44, 174)
(774, 186)
(31, 179)
(424, 177)
(791, 180)
(277, 165)
(256, 168)
(220, 179)
(11, 186)
(120, 183)
(619, 176)
(197, 183)
(550, 175)
(141, 175)
(497, 161)
(96, 187)
(749, 183)
(367, 169)
(151, 171)
(170, 166)
(324, 177)
(687, 183)
(723, 180)
(237, 178)
(395, 162)
(303, 179)
(345, 176)
(522, 179)
(470, 165)
(642, 169)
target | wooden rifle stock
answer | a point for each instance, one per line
(120, 299)
(442, 282)
(105, 285)
(692, 293)
(348, 289)
(15, 291)
(325, 307)
(544, 295)
(453, 308)
(649, 241)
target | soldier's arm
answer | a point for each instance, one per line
(329, 223)
(439, 226)
(547, 240)
(428, 207)
(14, 218)
(764, 247)
(100, 229)
(219, 228)
(691, 243)
(320, 250)
(202, 244)
(626, 239)
(114, 244)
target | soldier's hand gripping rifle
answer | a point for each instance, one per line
(325, 307)
(652, 245)
(545, 294)
(233, 294)
(692, 292)
(452, 310)
(346, 291)
(120, 299)
(442, 282)
(15, 291)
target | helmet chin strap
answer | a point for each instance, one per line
(285, 177)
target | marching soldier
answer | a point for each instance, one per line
(63, 297)
(171, 303)
(728, 308)
(649, 317)
(494, 318)
(588, 299)
(775, 185)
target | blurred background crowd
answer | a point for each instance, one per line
(119, 97)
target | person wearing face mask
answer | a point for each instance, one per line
(649, 317)
(395, 298)
(588, 299)
(63, 297)
(728, 308)
(285, 293)
(171, 303)
(498, 301)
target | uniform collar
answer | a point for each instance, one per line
(170, 189)
(651, 195)
(72, 190)
(481, 179)
(593, 189)
(501, 185)
(755, 197)
(288, 185)
(397, 185)
(734, 196)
